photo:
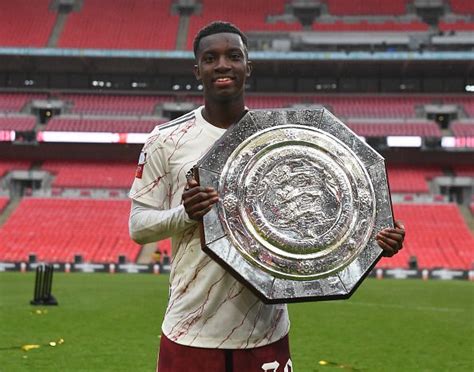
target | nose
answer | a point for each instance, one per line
(222, 64)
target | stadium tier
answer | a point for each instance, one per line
(456, 26)
(437, 236)
(411, 179)
(366, 106)
(14, 102)
(57, 229)
(25, 23)
(255, 19)
(113, 104)
(19, 123)
(464, 170)
(366, 7)
(7, 166)
(340, 25)
(122, 24)
(462, 6)
(463, 128)
(3, 202)
(91, 174)
(400, 128)
(101, 125)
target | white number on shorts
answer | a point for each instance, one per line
(273, 366)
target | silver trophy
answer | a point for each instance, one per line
(301, 198)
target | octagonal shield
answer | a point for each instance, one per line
(301, 199)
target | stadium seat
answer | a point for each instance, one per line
(122, 24)
(18, 123)
(411, 179)
(83, 174)
(366, 7)
(25, 23)
(7, 166)
(124, 125)
(439, 237)
(57, 229)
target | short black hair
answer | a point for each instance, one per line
(217, 27)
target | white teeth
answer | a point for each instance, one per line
(223, 79)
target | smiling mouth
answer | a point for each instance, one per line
(223, 80)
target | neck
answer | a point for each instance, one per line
(223, 114)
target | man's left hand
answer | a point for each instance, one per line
(391, 239)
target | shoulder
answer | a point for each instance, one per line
(162, 133)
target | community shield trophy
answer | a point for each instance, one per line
(301, 199)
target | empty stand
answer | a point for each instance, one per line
(102, 125)
(366, 7)
(91, 174)
(456, 26)
(340, 25)
(3, 202)
(26, 23)
(121, 24)
(248, 15)
(462, 6)
(462, 129)
(436, 234)
(464, 170)
(391, 128)
(14, 102)
(7, 166)
(57, 229)
(113, 104)
(411, 179)
(19, 123)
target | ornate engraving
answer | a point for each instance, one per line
(297, 207)
(296, 199)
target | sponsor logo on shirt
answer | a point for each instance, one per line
(141, 165)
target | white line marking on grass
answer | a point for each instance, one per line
(404, 307)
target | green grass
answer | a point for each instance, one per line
(112, 323)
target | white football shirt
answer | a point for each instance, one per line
(207, 307)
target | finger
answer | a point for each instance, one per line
(191, 182)
(393, 230)
(399, 224)
(388, 251)
(196, 190)
(200, 214)
(194, 208)
(199, 211)
(398, 237)
(391, 242)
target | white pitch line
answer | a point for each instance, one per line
(403, 307)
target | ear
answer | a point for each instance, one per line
(197, 73)
(249, 68)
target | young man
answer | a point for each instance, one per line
(212, 322)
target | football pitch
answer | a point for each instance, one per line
(108, 322)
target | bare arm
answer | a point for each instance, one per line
(147, 224)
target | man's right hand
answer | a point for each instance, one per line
(198, 200)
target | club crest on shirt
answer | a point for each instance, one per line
(141, 165)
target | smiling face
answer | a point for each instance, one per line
(222, 67)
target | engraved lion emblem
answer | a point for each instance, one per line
(299, 196)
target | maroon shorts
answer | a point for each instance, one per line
(179, 358)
